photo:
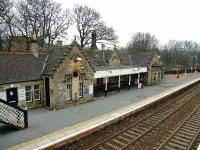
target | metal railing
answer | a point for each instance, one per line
(13, 115)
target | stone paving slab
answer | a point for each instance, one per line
(43, 122)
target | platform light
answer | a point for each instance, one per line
(78, 58)
(135, 69)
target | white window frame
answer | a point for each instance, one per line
(36, 90)
(81, 78)
(30, 93)
(69, 90)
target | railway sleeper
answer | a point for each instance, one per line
(162, 115)
(133, 133)
(188, 131)
(184, 136)
(138, 130)
(143, 128)
(181, 138)
(112, 146)
(128, 135)
(162, 112)
(188, 136)
(102, 148)
(175, 145)
(195, 129)
(180, 142)
(145, 124)
(124, 139)
(155, 119)
(185, 132)
(150, 124)
(195, 121)
(193, 124)
(170, 148)
(192, 127)
(119, 142)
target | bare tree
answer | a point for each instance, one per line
(2, 6)
(143, 42)
(185, 53)
(23, 20)
(57, 22)
(6, 23)
(44, 17)
(88, 20)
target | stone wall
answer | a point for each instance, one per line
(22, 93)
(65, 70)
(154, 75)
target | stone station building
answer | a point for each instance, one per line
(67, 75)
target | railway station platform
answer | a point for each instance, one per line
(47, 128)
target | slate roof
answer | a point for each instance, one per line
(20, 67)
(142, 59)
(53, 56)
(99, 60)
(124, 57)
(95, 59)
(107, 55)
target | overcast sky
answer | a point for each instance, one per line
(166, 19)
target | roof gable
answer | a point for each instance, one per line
(53, 58)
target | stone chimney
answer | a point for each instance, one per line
(59, 43)
(94, 40)
(34, 45)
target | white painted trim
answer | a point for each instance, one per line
(129, 79)
(106, 84)
(119, 82)
(138, 78)
(3, 96)
(118, 72)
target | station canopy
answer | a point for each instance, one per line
(119, 72)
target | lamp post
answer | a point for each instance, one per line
(177, 75)
(196, 64)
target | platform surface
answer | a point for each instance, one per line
(47, 127)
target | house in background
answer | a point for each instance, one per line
(68, 75)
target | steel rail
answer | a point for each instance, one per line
(139, 137)
(140, 121)
(183, 123)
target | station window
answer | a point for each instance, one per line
(68, 78)
(69, 87)
(81, 85)
(68, 96)
(36, 92)
(28, 93)
(32, 93)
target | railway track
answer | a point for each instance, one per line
(186, 134)
(135, 134)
